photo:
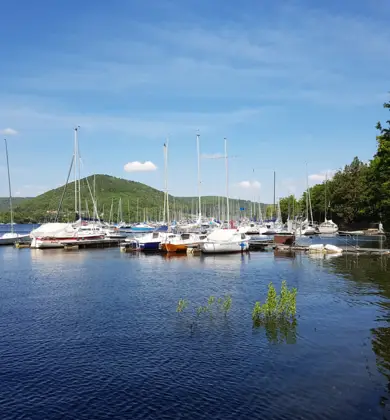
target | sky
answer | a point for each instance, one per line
(295, 87)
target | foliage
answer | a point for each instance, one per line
(181, 305)
(276, 307)
(358, 194)
(222, 304)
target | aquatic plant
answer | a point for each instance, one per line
(276, 307)
(226, 304)
(223, 304)
(181, 305)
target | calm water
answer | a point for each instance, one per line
(93, 334)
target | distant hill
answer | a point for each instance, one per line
(4, 202)
(108, 192)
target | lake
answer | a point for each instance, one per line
(94, 334)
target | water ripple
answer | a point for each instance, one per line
(96, 336)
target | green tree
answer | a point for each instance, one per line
(379, 174)
(349, 202)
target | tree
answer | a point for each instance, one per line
(379, 174)
(349, 192)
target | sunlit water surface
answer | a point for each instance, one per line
(94, 334)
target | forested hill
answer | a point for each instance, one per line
(138, 202)
(4, 202)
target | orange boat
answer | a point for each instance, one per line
(175, 247)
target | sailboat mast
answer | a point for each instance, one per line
(75, 172)
(227, 183)
(79, 174)
(199, 180)
(9, 188)
(166, 183)
(274, 208)
(307, 195)
(326, 184)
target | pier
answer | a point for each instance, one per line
(91, 243)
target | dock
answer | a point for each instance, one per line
(261, 245)
(346, 249)
(91, 243)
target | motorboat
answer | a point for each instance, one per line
(180, 243)
(10, 238)
(225, 241)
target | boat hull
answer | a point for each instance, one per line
(224, 248)
(176, 247)
(149, 246)
(12, 240)
(51, 243)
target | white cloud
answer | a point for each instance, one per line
(255, 185)
(212, 156)
(136, 166)
(8, 132)
(320, 177)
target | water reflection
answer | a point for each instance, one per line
(369, 284)
(278, 331)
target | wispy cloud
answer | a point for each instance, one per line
(8, 132)
(136, 166)
(250, 185)
(320, 177)
(309, 62)
(212, 156)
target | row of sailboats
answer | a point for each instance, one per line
(211, 236)
(216, 240)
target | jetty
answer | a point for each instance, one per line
(91, 243)
(347, 249)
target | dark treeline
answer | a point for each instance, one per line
(357, 195)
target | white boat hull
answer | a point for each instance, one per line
(224, 248)
(11, 239)
(327, 230)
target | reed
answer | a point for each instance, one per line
(213, 305)
(181, 305)
(277, 307)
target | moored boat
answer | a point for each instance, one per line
(225, 241)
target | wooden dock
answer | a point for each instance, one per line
(346, 249)
(261, 245)
(91, 243)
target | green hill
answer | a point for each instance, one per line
(139, 202)
(4, 202)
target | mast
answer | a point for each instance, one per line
(274, 208)
(79, 170)
(199, 180)
(9, 188)
(307, 195)
(75, 171)
(227, 183)
(166, 182)
(326, 183)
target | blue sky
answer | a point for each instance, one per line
(286, 82)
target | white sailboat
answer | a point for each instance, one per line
(328, 226)
(9, 238)
(52, 235)
(225, 240)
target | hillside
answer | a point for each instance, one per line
(108, 190)
(4, 202)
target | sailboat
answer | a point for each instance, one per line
(9, 238)
(328, 226)
(52, 235)
(225, 240)
(180, 243)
